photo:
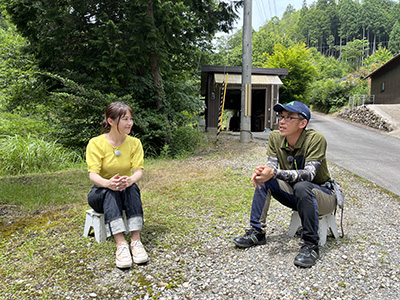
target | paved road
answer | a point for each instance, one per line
(368, 153)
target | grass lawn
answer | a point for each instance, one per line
(43, 254)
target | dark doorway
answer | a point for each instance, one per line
(233, 99)
(258, 110)
(233, 103)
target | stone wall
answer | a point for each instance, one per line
(365, 116)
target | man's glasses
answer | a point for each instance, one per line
(288, 118)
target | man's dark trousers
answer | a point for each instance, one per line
(301, 196)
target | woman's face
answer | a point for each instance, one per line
(125, 123)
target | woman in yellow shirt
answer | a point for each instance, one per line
(115, 164)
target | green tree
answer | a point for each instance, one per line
(375, 20)
(304, 24)
(288, 24)
(328, 95)
(349, 18)
(326, 23)
(394, 40)
(353, 52)
(328, 67)
(139, 50)
(228, 50)
(274, 32)
(19, 75)
(376, 60)
(318, 23)
(297, 59)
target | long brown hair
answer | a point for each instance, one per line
(115, 111)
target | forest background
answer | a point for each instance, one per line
(61, 62)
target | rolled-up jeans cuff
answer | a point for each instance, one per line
(118, 225)
(135, 223)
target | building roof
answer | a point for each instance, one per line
(236, 79)
(205, 70)
(393, 62)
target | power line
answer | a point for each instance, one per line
(276, 14)
(269, 4)
(260, 10)
(265, 14)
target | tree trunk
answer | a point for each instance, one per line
(374, 44)
(156, 75)
(157, 78)
(154, 63)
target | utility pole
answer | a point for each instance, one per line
(245, 116)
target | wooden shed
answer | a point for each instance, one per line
(265, 85)
(385, 82)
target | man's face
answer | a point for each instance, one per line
(291, 123)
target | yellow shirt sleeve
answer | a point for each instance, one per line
(101, 158)
(94, 155)
(137, 158)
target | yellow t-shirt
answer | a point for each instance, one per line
(101, 159)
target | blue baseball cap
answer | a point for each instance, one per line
(296, 107)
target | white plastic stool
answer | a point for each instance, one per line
(325, 222)
(95, 220)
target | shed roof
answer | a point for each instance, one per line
(205, 70)
(255, 79)
(393, 62)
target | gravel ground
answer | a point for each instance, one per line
(362, 265)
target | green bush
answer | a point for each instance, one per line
(15, 124)
(329, 95)
(21, 155)
(185, 140)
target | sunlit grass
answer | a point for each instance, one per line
(28, 154)
(43, 190)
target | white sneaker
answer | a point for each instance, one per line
(123, 256)
(139, 254)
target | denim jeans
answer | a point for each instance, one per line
(309, 199)
(113, 203)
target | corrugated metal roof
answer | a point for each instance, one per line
(255, 79)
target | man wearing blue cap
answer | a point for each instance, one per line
(295, 175)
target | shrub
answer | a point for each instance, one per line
(185, 140)
(328, 95)
(15, 124)
(22, 155)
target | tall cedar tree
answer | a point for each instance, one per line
(114, 41)
(121, 47)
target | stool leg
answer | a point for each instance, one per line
(99, 229)
(323, 230)
(295, 224)
(88, 225)
(332, 225)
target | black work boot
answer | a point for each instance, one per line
(252, 237)
(307, 256)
